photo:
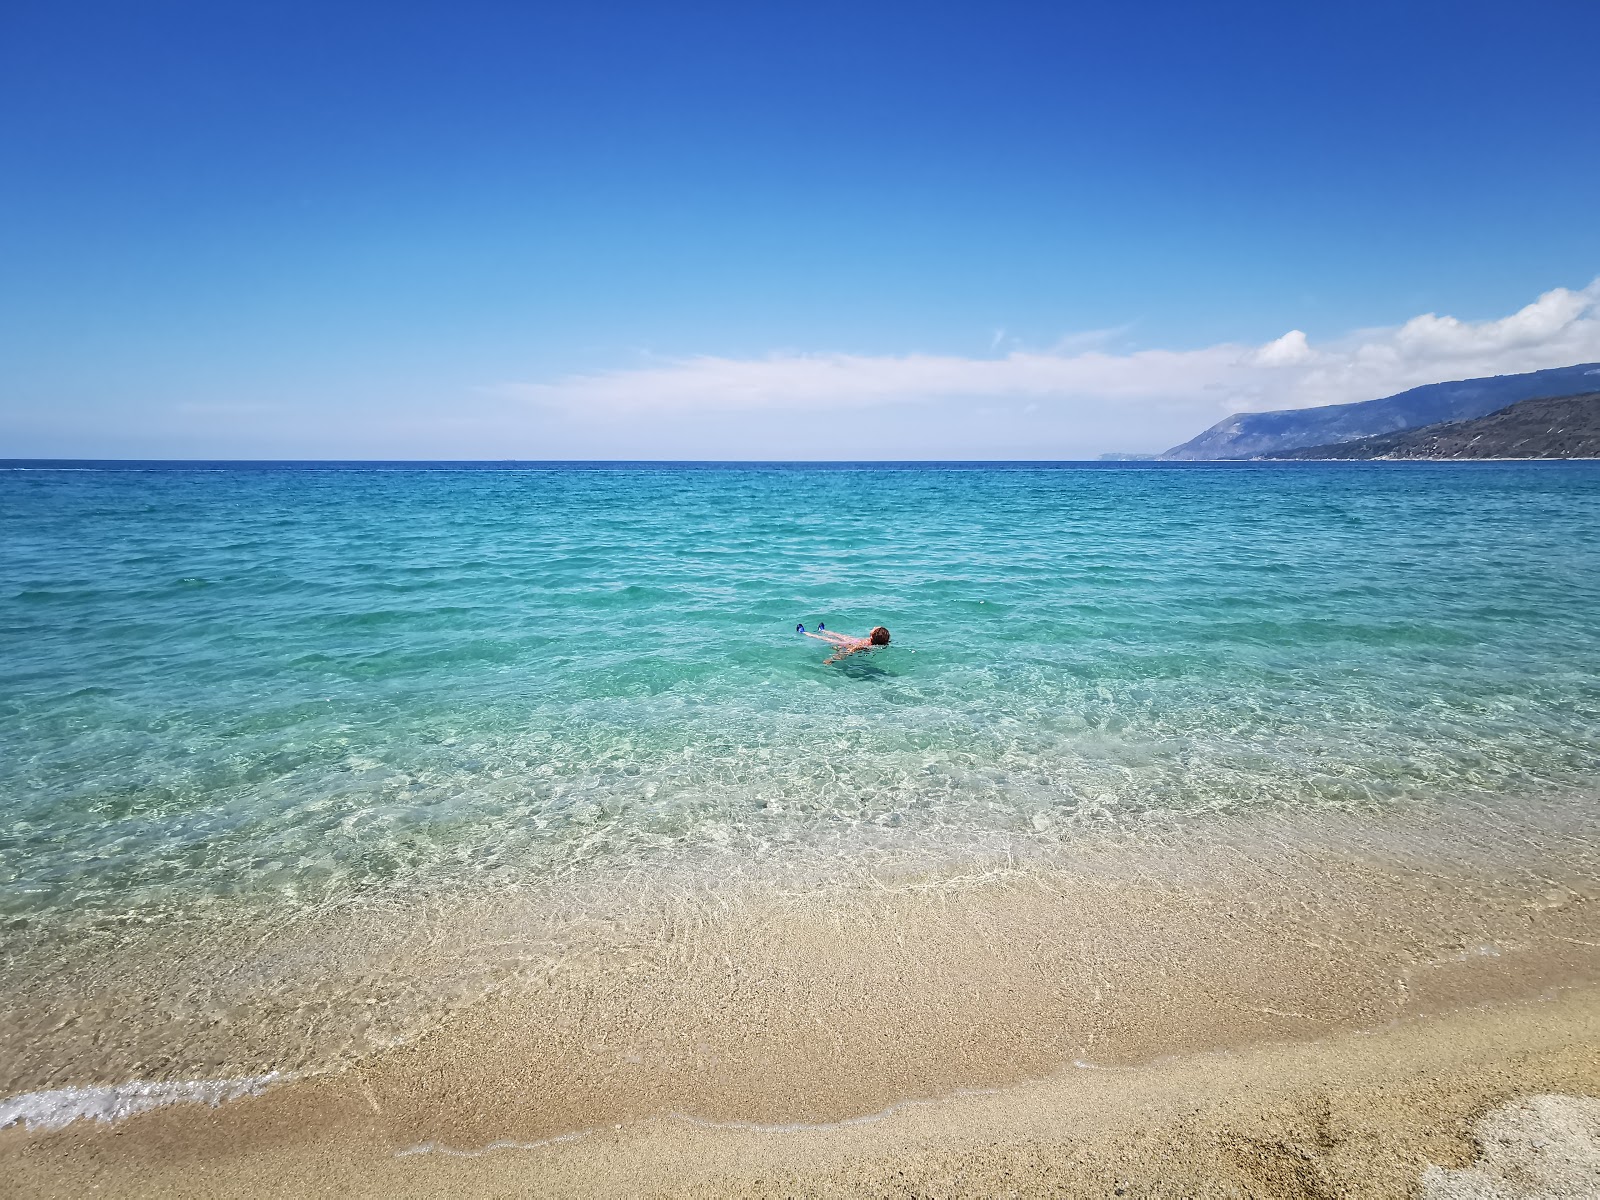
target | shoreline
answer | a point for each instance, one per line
(1395, 1111)
(853, 1015)
(1363, 899)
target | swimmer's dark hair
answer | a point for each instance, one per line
(879, 636)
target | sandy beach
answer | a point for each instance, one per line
(1304, 1016)
(1394, 1113)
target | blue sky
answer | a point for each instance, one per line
(496, 230)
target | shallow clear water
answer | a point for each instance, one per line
(281, 684)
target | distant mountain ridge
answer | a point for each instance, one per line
(1549, 427)
(1273, 434)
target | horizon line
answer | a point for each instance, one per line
(23, 464)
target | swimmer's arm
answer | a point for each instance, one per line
(845, 651)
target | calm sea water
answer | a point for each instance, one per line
(279, 683)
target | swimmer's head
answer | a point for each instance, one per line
(879, 636)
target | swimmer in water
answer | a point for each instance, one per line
(844, 645)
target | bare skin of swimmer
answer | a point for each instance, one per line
(844, 645)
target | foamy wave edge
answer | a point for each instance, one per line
(59, 1107)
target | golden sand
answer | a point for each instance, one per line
(1313, 1022)
(1350, 1115)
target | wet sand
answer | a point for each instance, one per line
(1352, 1115)
(1261, 1018)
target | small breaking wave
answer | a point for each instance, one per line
(57, 1108)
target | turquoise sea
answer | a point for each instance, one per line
(267, 687)
(272, 680)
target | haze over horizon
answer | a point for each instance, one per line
(930, 232)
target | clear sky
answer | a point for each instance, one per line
(774, 231)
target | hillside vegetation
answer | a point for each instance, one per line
(1551, 427)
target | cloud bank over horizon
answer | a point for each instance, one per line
(1077, 398)
(1086, 395)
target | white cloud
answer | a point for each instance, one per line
(1287, 351)
(1140, 399)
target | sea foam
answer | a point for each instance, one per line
(59, 1107)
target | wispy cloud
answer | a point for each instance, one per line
(1132, 397)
